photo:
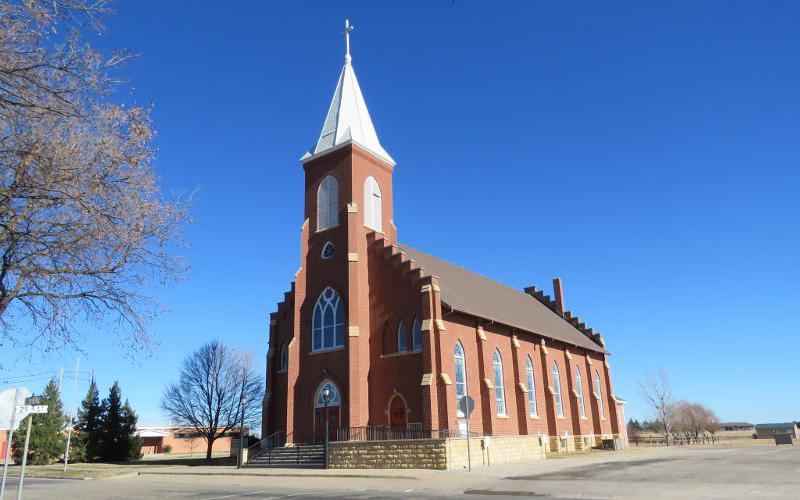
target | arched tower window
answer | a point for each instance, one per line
(416, 335)
(499, 390)
(598, 389)
(579, 391)
(557, 390)
(373, 217)
(532, 410)
(283, 363)
(328, 250)
(328, 321)
(461, 376)
(402, 337)
(327, 203)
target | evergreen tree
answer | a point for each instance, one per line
(47, 441)
(88, 441)
(118, 428)
(134, 442)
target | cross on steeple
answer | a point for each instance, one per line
(347, 29)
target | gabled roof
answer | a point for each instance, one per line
(480, 296)
(780, 425)
(348, 120)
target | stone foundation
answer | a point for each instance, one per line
(434, 453)
(405, 454)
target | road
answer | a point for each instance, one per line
(733, 472)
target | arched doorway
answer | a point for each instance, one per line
(398, 413)
(334, 414)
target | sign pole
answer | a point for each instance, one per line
(8, 445)
(24, 458)
(469, 452)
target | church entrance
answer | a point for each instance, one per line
(319, 424)
(327, 389)
(398, 416)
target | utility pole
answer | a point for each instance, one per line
(8, 445)
(72, 423)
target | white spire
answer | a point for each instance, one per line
(348, 119)
(347, 29)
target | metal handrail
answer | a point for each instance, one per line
(388, 433)
(273, 440)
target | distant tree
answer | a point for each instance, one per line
(217, 385)
(47, 441)
(88, 425)
(634, 431)
(84, 225)
(118, 428)
(656, 390)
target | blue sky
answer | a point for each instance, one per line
(644, 152)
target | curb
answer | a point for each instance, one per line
(339, 476)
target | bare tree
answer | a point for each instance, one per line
(712, 424)
(217, 386)
(656, 390)
(84, 226)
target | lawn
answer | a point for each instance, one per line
(101, 470)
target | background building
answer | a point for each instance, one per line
(736, 426)
(768, 431)
(183, 440)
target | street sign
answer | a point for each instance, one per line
(466, 405)
(25, 410)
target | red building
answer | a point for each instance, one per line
(400, 336)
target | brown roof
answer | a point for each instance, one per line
(480, 296)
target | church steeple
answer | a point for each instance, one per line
(348, 119)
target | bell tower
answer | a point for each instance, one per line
(348, 195)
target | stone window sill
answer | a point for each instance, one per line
(398, 354)
(319, 231)
(503, 416)
(329, 349)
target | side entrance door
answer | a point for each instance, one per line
(398, 417)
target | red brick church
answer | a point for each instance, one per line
(399, 336)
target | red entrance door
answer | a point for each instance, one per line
(319, 424)
(398, 418)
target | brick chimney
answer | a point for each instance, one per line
(559, 296)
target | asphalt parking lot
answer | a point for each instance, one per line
(721, 472)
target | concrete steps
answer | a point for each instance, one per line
(310, 456)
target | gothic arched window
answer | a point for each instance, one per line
(334, 399)
(327, 203)
(373, 217)
(598, 389)
(328, 321)
(283, 363)
(328, 250)
(579, 391)
(557, 390)
(461, 376)
(402, 337)
(416, 335)
(532, 410)
(499, 390)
